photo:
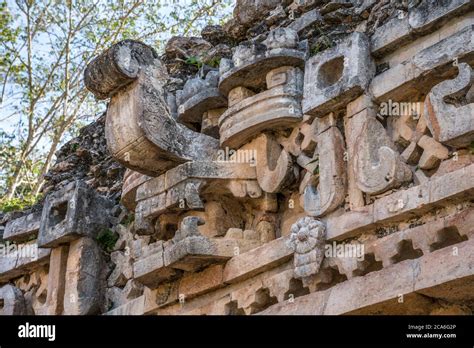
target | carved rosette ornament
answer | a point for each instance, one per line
(307, 240)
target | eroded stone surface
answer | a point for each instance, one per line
(452, 123)
(73, 212)
(336, 76)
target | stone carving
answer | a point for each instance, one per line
(74, 211)
(12, 300)
(307, 240)
(377, 165)
(253, 60)
(452, 122)
(198, 96)
(325, 191)
(277, 107)
(273, 164)
(141, 133)
(188, 251)
(180, 188)
(309, 135)
(338, 75)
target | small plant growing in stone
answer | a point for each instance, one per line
(107, 239)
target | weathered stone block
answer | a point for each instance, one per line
(189, 250)
(278, 107)
(23, 228)
(72, 212)
(141, 132)
(198, 96)
(449, 123)
(84, 279)
(21, 259)
(12, 301)
(338, 75)
(252, 61)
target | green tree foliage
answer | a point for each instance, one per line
(45, 46)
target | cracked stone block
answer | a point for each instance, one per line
(12, 301)
(338, 75)
(23, 228)
(150, 269)
(84, 282)
(73, 212)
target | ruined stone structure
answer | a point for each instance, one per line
(323, 165)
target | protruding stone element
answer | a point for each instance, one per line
(418, 74)
(12, 301)
(252, 60)
(131, 181)
(276, 108)
(338, 75)
(23, 228)
(84, 283)
(422, 19)
(150, 268)
(377, 165)
(433, 152)
(56, 280)
(274, 164)
(189, 250)
(430, 13)
(326, 190)
(210, 122)
(452, 122)
(180, 187)
(198, 96)
(140, 130)
(307, 240)
(72, 212)
(19, 259)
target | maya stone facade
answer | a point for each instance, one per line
(296, 176)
